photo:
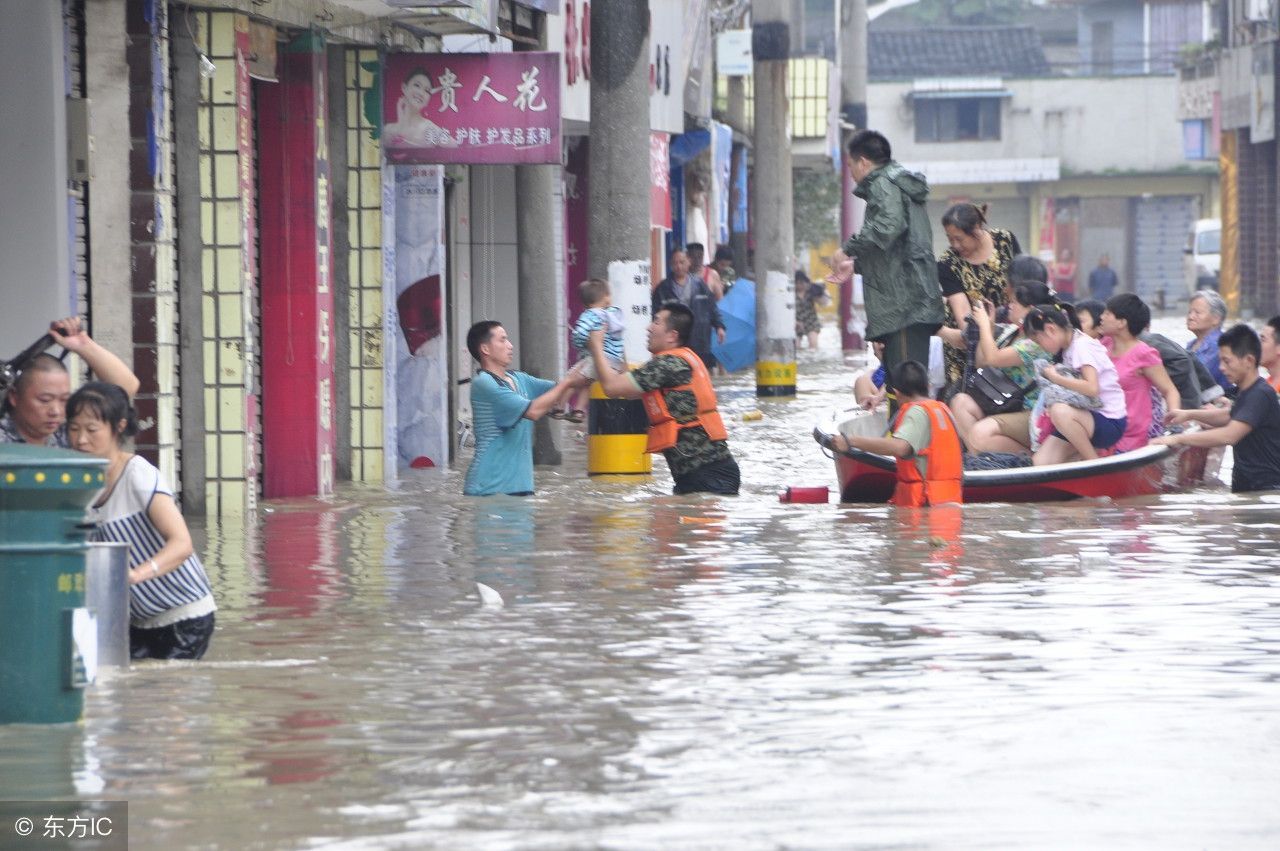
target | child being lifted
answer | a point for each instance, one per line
(600, 314)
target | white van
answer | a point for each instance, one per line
(1203, 255)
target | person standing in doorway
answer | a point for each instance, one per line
(682, 286)
(1102, 280)
(894, 251)
(1064, 275)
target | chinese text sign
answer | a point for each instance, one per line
(472, 108)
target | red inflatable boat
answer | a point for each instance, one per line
(867, 477)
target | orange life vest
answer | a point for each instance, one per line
(663, 429)
(945, 458)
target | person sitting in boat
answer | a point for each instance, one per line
(1206, 312)
(1140, 370)
(923, 439)
(1252, 425)
(868, 388)
(1076, 432)
(1089, 312)
(1009, 432)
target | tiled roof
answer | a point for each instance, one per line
(955, 52)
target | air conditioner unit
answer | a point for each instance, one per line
(1258, 10)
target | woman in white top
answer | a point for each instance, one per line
(1077, 432)
(170, 603)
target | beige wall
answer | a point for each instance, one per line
(1093, 125)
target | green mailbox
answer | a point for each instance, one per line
(47, 637)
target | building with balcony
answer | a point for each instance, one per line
(1076, 166)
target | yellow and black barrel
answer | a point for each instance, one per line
(775, 379)
(617, 430)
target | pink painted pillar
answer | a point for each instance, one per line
(298, 437)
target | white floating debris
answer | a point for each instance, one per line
(489, 598)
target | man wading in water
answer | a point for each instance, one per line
(684, 424)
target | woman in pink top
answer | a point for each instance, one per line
(1076, 431)
(1139, 366)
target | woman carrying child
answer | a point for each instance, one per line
(1077, 431)
(1138, 367)
(1008, 432)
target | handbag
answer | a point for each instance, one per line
(994, 391)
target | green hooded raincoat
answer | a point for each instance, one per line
(894, 250)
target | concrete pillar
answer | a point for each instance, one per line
(619, 143)
(152, 235)
(540, 298)
(339, 269)
(191, 348)
(851, 54)
(107, 87)
(618, 211)
(771, 195)
(34, 240)
(297, 297)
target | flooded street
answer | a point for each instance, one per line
(647, 671)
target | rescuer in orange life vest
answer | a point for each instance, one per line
(923, 439)
(684, 424)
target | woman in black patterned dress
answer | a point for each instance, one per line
(974, 269)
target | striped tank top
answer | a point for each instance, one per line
(121, 515)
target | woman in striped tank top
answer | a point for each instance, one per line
(170, 603)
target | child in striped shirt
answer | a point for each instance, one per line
(599, 314)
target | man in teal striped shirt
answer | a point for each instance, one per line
(504, 405)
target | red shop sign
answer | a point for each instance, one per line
(473, 108)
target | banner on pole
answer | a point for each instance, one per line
(780, 303)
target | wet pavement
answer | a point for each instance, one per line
(605, 665)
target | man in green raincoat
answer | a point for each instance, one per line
(894, 251)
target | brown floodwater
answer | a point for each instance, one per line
(605, 665)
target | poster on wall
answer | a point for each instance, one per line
(414, 257)
(666, 66)
(721, 160)
(472, 108)
(660, 180)
(1262, 112)
(629, 283)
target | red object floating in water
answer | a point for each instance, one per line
(796, 494)
(420, 462)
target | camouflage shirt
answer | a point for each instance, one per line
(693, 447)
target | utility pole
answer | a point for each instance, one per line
(618, 220)
(771, 195)
(618, 154)
(851, 23)
(540, 293)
